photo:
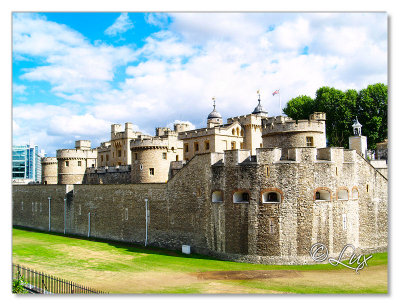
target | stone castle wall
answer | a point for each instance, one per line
(284, 132)
(108, 175)
(183, 211)
(72, 164)
(49, 170)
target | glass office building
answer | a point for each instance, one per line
(26, 163)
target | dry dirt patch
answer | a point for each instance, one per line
(243, 275)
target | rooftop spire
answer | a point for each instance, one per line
(259, 109)
(214, 113)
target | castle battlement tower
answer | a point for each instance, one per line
(49, 170)
(285, 132)
(72, 163)
(358, 142)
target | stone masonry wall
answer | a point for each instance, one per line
(253, 230)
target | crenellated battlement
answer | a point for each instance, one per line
(251, 119)
(138, 144)
(49, 160)
(118, 133)
(76, 153)
(125, 168)
(281, 124)
(279, 155)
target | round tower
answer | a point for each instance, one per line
(49, 170)
(72, 164)
(151, 160)
(284, 132)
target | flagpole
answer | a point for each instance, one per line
(280, 106)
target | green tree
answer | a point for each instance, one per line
(341, 108)
(372, 113)
(300, 107)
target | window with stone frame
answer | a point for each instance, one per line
(342, 194)
(241, 197)
(207, 145)
(67, 163)
(309, 141)
(271, 197)
(216, 196)
(186, 147)
(151, 171)
(79, 163)
(196, 146)
(322, 195)
(164, 155)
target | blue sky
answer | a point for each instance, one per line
(74, 74)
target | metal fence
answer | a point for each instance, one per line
(38, 282)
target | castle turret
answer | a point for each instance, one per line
(49, 170)
(152, 156)
(259, 109)
(181, 127)
(358, 142)
(214, 118)
(72, 163)
(284, 132)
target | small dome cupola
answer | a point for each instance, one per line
(259, 109)
(214, 113)
(214, 118)
(357, 127)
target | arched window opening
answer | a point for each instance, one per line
(216, 196)
(233, 131)
(322, 195)
(241, 197)
(355, 193)
(271, 197)
(343, 194)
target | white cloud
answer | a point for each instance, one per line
(157, 19)
(19, 89)
(71, 64)
(193, 58)
(121, 25)
(34, 35)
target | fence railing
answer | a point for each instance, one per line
(39, 282)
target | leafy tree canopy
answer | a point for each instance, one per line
(341, 108)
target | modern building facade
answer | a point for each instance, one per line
(26, 163)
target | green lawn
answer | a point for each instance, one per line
(123, 268)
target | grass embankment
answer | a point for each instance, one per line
(122, 268)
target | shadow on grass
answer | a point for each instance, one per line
(377, 258)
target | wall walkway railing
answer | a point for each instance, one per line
(39, 282)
